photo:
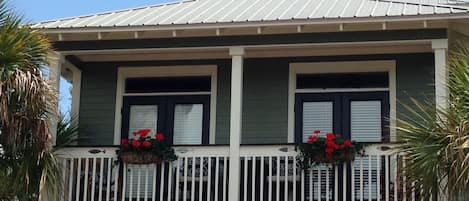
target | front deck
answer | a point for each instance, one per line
(267, 172)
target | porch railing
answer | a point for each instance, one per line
(268, 172)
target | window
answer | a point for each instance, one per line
(184, 119)
(342, 80)
(188, 121)
(168, 84)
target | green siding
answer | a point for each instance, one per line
(265, 101)
(223, 104)
(415, 79)
(97, 105)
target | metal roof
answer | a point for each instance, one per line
(191, 12)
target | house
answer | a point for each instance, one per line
(235, 84)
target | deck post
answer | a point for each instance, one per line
(440, 48)
(237, 54)
(55, 60)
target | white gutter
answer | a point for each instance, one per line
(295, 22)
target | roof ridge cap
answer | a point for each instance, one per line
(113, 11)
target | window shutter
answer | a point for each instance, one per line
(317, 116)
(366, 121)
(188, 122)
(143, 117)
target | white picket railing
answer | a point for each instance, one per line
(89, 174)
(267, 173)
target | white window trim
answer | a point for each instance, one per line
(388, 66)
(165, 71)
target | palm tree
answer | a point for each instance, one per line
(28, 167)
(436, 140)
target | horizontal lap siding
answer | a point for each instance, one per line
(415, 79)
(265, 101)
(97, 105)
(223, 104)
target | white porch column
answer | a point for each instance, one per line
(76, 90)
(440, 48)
(55, 65)
(237, 54)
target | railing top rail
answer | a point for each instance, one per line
(88, 152)
(215, 151)
(199, 151)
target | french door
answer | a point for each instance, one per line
(183, 119)
(359, 116)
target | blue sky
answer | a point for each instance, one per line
(39, 10)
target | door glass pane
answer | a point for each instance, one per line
(188, 123)
(366, 121)
(317, 116)
(143, 117)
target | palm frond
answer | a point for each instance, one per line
(67, 131)
(27, 164)
(436, 140)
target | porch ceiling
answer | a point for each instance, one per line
(258, 52)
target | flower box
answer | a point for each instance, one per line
(140, 158)
(323, 158)
(331, 149)
(146, 149)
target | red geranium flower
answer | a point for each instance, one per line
(329, 151)
(317, 131)
(136, 143)
(331, 144)
(312, 138)
(347, 143)
(144, 132)
(147, 144)
(330, 136)
(159, 137)
(125, 143)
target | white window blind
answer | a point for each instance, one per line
(366, 121)
(132, 180)
(143, 117)
(367, 165)
(317, 116)
(188, 120)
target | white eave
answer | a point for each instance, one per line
(200, 14)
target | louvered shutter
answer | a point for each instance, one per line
(317, 116)
(188, 120)
(366, 121)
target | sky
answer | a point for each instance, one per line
(40, 10)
